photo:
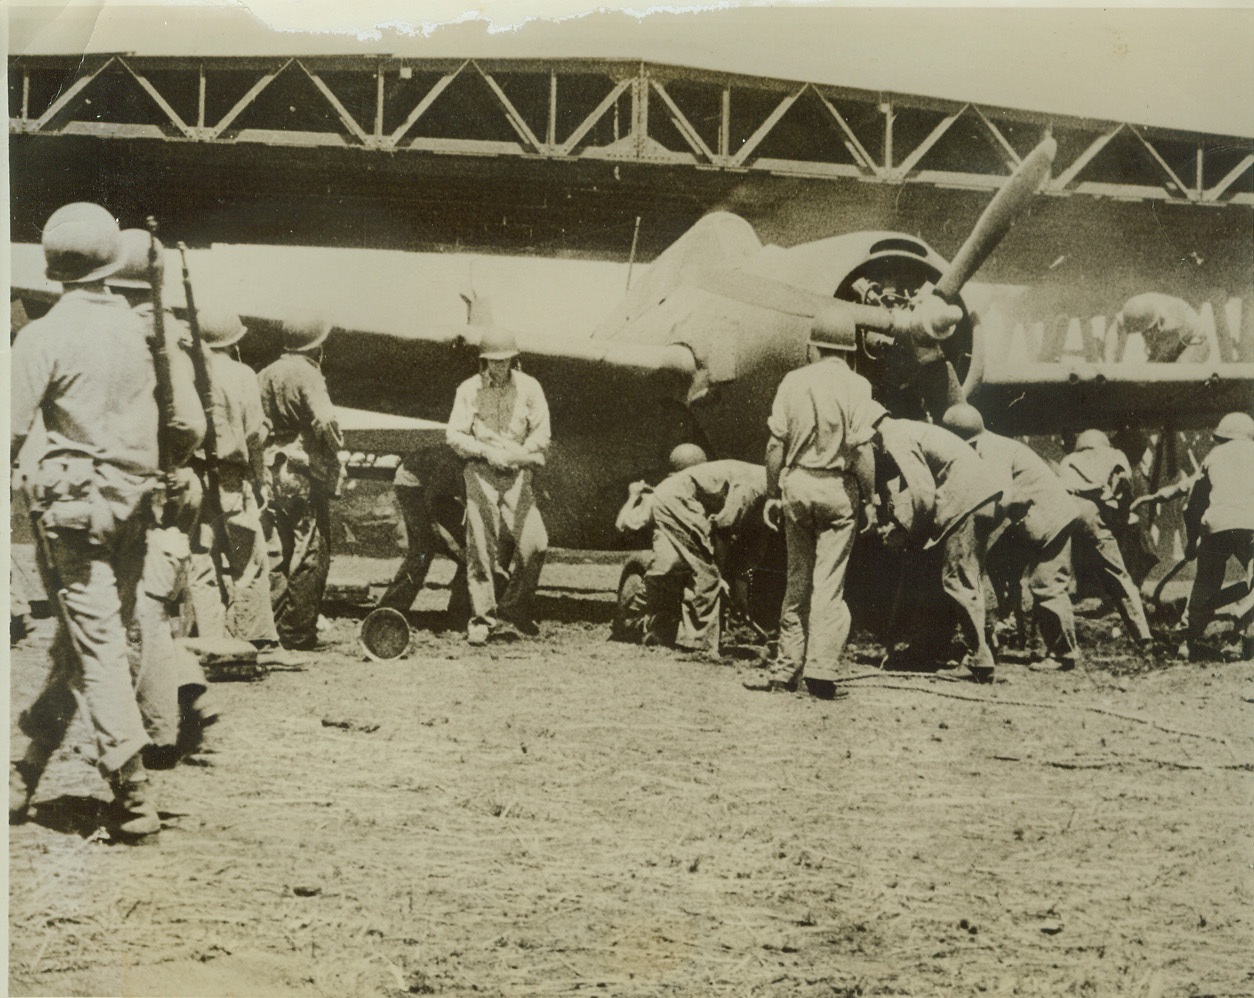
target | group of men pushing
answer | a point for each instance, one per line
(960, 501)
(155, 455)
(164, 468)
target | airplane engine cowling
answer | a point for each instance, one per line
(886, 283)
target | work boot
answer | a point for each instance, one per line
(524, 625)
(825, 689)
(1053, 665)
(134, 811)
(24, 777)
(776, 678)
(505, 631)
(477, 634)
(968, 673)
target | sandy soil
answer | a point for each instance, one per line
(569, 815)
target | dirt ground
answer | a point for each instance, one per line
(569, 816)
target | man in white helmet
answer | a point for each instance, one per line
(302, 458)
(1220, 515)
(1099, 478)
(85, 367)
(230, 582)
(500, 427)
(820, 474)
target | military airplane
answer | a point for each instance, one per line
(696, 348)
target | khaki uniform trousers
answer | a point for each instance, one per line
(820, 520)
(933, 611)
(165, 673)
(502, 502)
(683, 548)
(90, 668)
(1094, 536)
(1048, 569)
(239, 605)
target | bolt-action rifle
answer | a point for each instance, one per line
(204, 389)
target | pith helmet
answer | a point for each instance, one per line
(81, 243)
(220, 328)
(134, 270)
(305, 333)
(964, 420)
(1091, 440)
(1235, 426)
(496, 343)
(685, 456)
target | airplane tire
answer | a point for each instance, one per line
(628, 624)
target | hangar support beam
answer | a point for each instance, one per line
(599, 110)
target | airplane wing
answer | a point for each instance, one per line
(1049, 397)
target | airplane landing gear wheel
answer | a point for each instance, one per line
(629, 614)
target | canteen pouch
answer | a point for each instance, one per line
(67, 494)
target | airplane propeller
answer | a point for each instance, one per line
(1002, 212)
(935, 316)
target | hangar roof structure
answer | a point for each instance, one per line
(610, 111)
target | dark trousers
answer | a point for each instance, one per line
(298, 582)
(424, 541)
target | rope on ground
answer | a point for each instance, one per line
(1004, 702)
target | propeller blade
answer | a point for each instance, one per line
(1001, 213)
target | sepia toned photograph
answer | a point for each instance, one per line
(751, 502)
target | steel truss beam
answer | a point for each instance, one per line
(876, 137)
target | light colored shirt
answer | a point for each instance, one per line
(485, 415)
(725, 490)
(1101, 474)
(945, 480)
(1230, 470)
(239, 422)
(86, 367)
(1026, 479)
(822, 414)
(1225, 482)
